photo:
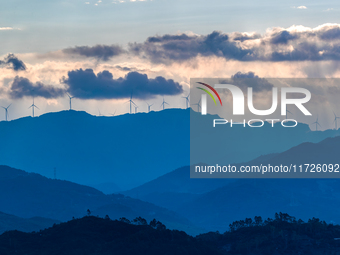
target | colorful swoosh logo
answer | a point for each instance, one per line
(209, 93)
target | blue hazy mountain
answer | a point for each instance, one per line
(228, 145)
(175, 188)
(125, 150)
(30, 195)
(11, 222)
(121, 152)
(305, 198)
(215, 203)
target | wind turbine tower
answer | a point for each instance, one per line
(336, 121)
(164, 103)
(131, 103)
(149, 106)
(70, 101)
(33, 105)
(316, 123)
(287, 112)
(6, 111)
(187, 101)
(198, 105)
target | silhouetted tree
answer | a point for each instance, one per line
(140, 221)
(125, 220)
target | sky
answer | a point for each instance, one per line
(102, 52)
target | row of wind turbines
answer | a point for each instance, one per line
(187, 103)
(132, 104)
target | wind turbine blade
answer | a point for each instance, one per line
(9, 106)
(166, 103)
(318, 124)
(36, 107)
(30, 107)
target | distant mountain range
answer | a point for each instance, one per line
(215, 203)
(11, 222)
(28, 195)
(122, 152)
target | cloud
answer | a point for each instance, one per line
(13, 62)
(168, 48)
(100, 52)
(22, 87)
(296, 43)
(301, 7)
(249, 79)
(130, 69)
(283, 37)
(6, 28)
(85, 84)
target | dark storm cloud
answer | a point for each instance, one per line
(282, 37)
(245, 80)
(168, 48)
(12, 62)
(100, 52)
(131, 69)
(85, 84)
(22, 87)
(330, 34)
(293, 44)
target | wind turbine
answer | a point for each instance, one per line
(33, 105)
(6, 111)
(149, 106)
(164, 103)
(114, 113)
(287, 112)
(131, 102)
(136, 107)
(316, 123)
(187, 101)
(335, 121)
(70, 101)
(198, 105)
